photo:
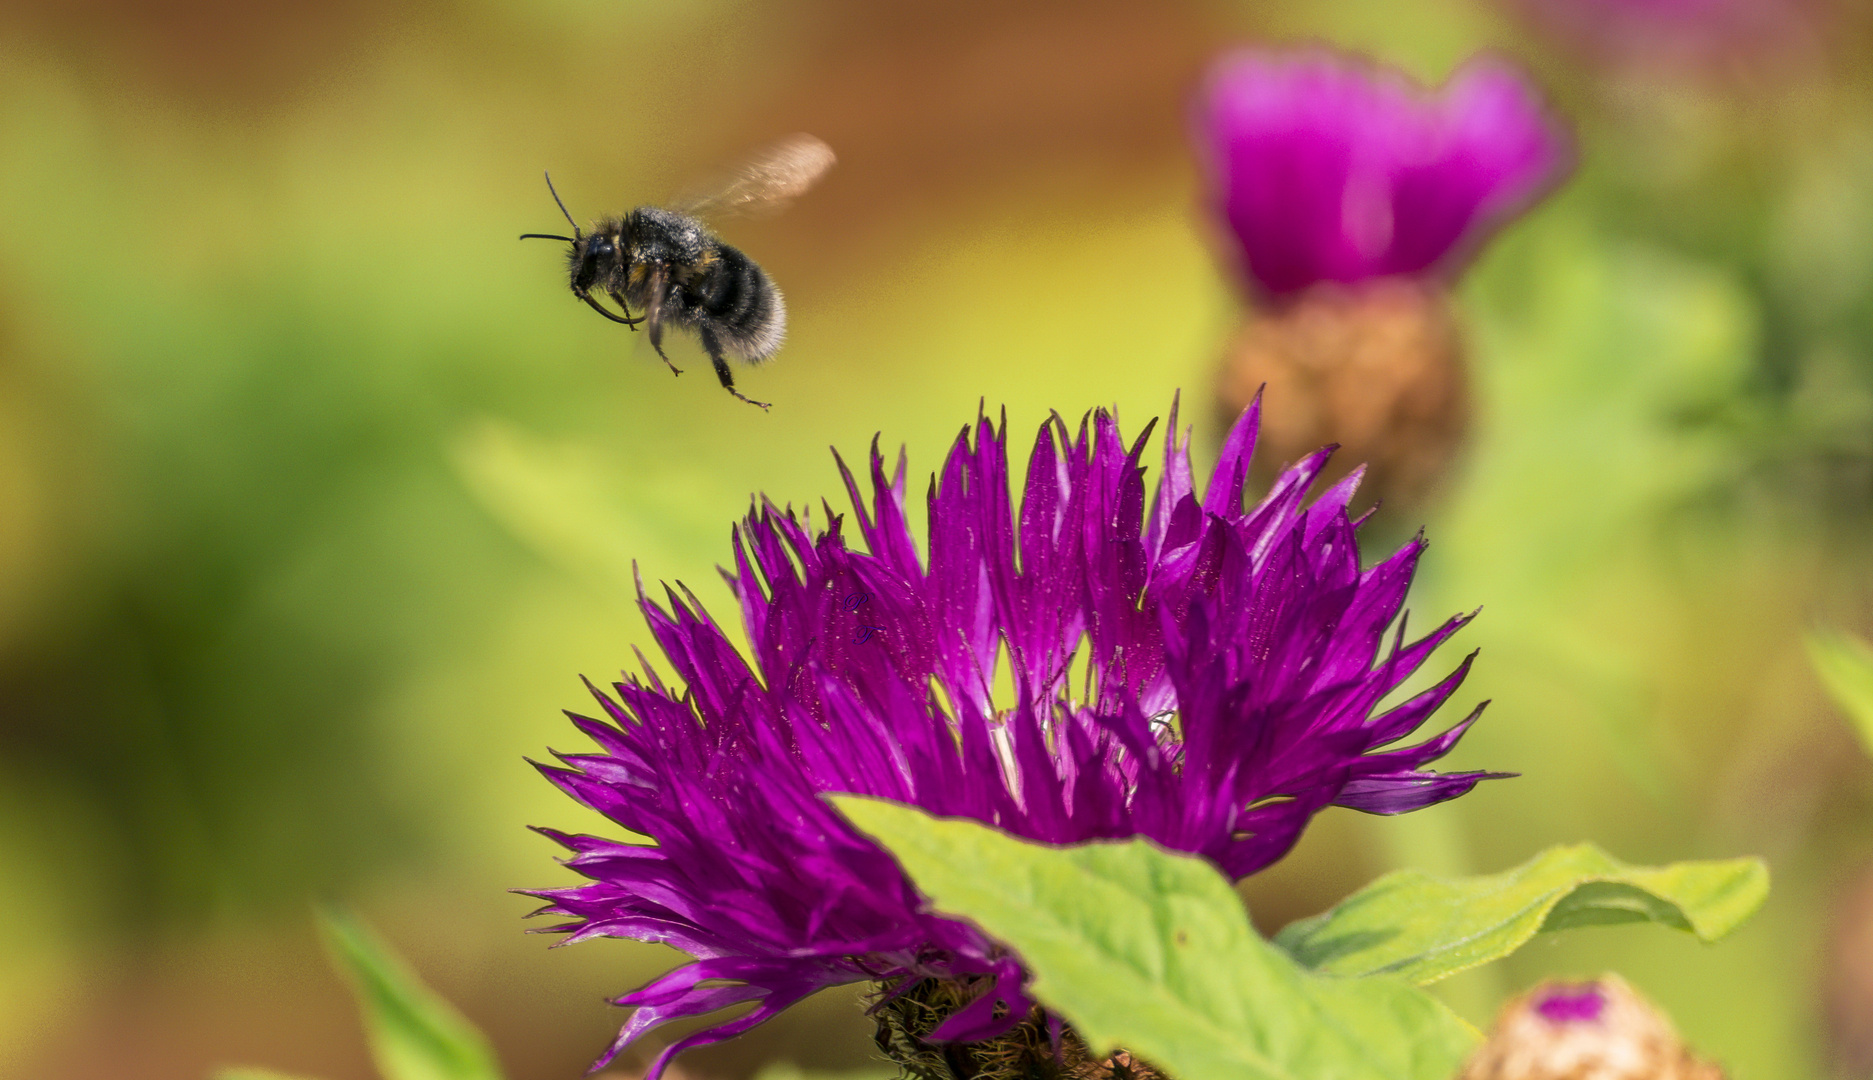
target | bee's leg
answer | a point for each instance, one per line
(596, 306)
(656, 342)
(653, 313)
(721, 366)
(618, 298)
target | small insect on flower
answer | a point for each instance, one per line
(668, 264)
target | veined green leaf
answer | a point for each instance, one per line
(1152, 951)
(1845, 664)
(1423, 928)
(414, 1033)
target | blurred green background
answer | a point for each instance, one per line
(318, 492)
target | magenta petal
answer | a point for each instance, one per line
(977, 1021)
(681, 994)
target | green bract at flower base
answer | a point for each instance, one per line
(1144, 949)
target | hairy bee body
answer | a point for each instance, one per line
(667, 265)
(707, 286)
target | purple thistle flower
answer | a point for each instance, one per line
(1205, 676)
(1331, 169)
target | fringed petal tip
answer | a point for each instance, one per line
(1405, 792)
(685, 993)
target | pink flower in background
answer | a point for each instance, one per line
(1329, 168)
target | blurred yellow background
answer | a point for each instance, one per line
(318, 492)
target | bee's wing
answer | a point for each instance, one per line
(766, 183)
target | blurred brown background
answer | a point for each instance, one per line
(320, 493)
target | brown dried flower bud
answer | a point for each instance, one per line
(1598, 1030)
(1847, 983)
(1377, 368)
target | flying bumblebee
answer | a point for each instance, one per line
(669, 266)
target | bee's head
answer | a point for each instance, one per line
(588, 259)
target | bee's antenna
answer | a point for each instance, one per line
(547, 236)
(562, 206)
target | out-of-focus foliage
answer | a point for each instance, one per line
(414, 1034)
(318, 491)
(1845, 664)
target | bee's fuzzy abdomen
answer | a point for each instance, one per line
(742, 305)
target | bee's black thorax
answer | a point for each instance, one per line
(663, 236)
(706, 285)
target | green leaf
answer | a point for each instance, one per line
(1152, 951)
(1845, 665)
(414, 1033)
(1424, 928)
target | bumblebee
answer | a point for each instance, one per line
(668, 265)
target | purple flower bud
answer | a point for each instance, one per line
(1332, 169)
(1569, 1031)
(1571, 1004)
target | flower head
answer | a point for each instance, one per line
(1329, 169)
(1081, 666)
